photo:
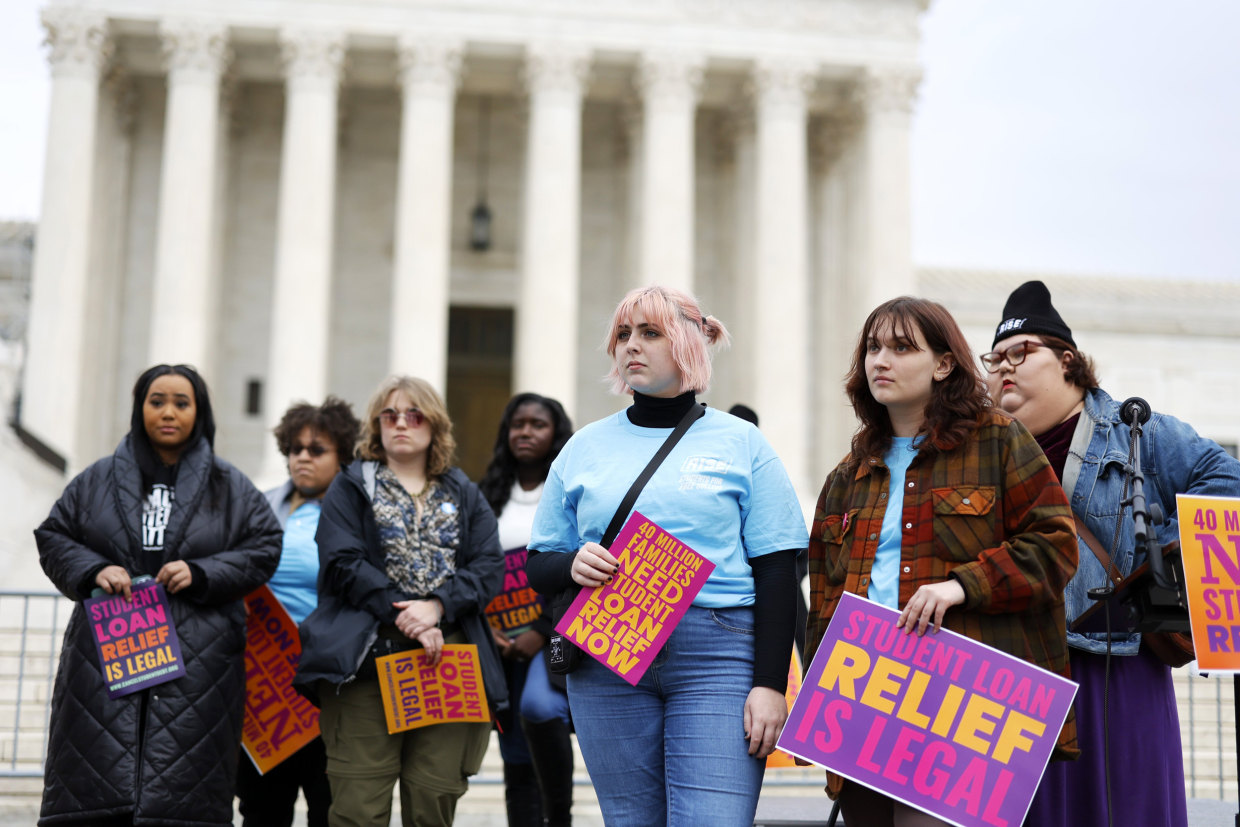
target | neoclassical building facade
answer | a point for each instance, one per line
(284, 194)
(301, 197)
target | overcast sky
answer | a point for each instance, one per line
(1075, 136)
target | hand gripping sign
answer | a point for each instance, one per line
(939, 721)
(623, 624)
(135, 639)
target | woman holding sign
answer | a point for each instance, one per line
(700, 721)
(537, 751)
(164, 505)
(408, 559)
(944, 509)
(1037, 375)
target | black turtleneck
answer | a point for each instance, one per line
(658, 411)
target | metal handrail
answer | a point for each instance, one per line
(23, 681)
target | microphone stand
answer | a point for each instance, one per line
(1135, 412)
(1163, 606)
(1157, 606)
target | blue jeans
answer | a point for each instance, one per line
(672, 750)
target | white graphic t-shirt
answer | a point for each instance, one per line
(155, 511)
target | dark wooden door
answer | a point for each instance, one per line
(479, 380)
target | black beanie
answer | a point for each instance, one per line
(1029, 310)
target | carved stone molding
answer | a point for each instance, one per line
(312, 55)
(851, 18)
(77, 40)
(429, 65)
(669, 78)
(194, 49)
(783, 84)
(556, 68)
(889, 90)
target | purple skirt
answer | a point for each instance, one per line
(1147, 763)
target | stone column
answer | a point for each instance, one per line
(832, 300)
(741, 128)
(57, 359)
(419, 337)
(183, 298)
(885, 255)
(300, 324)
(669, 85)
(547, 309)
(780, 352)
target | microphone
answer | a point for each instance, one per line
(1134, 409)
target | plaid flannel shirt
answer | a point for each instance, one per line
(991, 514)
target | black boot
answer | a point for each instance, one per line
(552, 751)
(521, 796)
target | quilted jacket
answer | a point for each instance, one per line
(166, 755)
(356, 596)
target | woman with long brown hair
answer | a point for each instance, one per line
(944, 509)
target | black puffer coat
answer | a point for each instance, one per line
(356, 596)
(168, 754)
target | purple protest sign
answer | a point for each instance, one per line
(625, 623)
(135, 639)
(939, 721)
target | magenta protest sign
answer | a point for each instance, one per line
(135, 639)
(939, 721)
(623, 624)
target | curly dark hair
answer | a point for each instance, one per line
(1080, 368)
(957, 402)
(501, 473)
(333, 419)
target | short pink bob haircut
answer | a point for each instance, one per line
(677, 316)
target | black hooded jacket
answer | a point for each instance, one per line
(168, 754)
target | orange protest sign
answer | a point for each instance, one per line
(416, 694)
(780, 759)
(1210, 549)
(278, 721)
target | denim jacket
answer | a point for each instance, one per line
(1174, 459)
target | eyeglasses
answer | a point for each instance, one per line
(314, 449)
(1014, 355)
(413, 417)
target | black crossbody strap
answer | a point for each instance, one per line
(626, 505)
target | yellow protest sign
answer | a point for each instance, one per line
(1210, 547)
(417, 694)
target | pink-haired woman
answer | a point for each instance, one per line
(687, 744)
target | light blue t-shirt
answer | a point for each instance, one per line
(722, 491)
(885, 573)
(295, 582)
